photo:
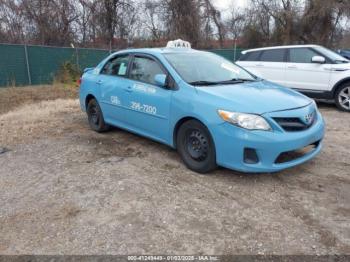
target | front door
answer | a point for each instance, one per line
(302, 74)
(148, 103)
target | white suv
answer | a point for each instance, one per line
(311, 69)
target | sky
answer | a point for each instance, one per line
(225, 5)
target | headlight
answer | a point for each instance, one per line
(247, 121)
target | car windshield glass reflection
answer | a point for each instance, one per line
(332, 55)
(202, 68)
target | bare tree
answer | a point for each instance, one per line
(122, 23)
(11, 22)
(152, 19)
(213, 15)
(50, 21)
(183, 19)
(320, 22)
(85, 10)
(282, 14)
(235, 23)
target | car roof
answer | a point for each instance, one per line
(277, 47)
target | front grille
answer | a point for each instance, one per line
(295, 154)
(293, 124)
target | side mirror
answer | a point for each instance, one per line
(318, 59)
(160, 80)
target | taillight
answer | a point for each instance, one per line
(79, 81)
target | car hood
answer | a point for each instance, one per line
(255, 97)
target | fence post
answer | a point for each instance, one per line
(77, 57)
(234, 54)
(27, 63)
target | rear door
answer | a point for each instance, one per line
(302, 74)
(113, 84)
(250, 61)
(148, 104)
(272, 65)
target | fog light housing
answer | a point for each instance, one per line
(250, 156)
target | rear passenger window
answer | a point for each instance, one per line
(301, 55)
(250, 56)
(273, 55)
(117, 66)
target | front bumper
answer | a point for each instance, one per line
(231, 141)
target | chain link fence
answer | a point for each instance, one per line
(35, 65)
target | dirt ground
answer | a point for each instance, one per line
(67, 190)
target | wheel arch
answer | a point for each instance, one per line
(339, 84)
(88, 98)
(180, 122)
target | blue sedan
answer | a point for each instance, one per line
(212, 111)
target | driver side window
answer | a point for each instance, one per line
(117, 66)
(301, 55)
(144, 69)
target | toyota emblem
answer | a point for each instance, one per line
(309, 118)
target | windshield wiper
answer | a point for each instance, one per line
(248, 80)
(232, 81)
(224, 82)
(203, 83)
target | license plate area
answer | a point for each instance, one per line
(290, 156)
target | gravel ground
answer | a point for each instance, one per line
(67, 190)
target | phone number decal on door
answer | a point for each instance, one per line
(144, 108)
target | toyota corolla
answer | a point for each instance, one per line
(213, 112)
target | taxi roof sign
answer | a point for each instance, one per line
(178, 44)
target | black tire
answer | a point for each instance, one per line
(95, 117)
(340, 98)
(196, 147)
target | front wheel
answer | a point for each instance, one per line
(342, 98)
(95, 117)
(196, 147)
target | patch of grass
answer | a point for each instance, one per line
(36, 120)
(12, 97)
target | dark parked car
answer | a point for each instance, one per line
(345, 53)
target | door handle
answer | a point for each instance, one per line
(259, 65)
(292, 66)
(99, 82)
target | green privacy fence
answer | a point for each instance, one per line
(230, 54)
(34, 65)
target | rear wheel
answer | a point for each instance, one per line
(342, 97)
(95, 117)
(196, 147)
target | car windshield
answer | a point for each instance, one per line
(204, 68)
(332, 55)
